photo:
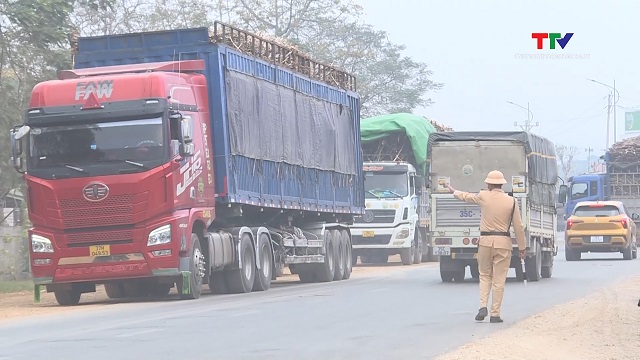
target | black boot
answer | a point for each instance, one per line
(482, 313)
(495, 319)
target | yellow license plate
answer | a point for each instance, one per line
(368, 234)
(100, 250)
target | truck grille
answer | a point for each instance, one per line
(114, 210)
(103, 237)
(376, 217)
(376, 240)
(454, 212)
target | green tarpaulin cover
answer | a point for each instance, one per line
(415, 127)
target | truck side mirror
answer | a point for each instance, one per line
(562, 194)
(635, 216)
(186, 133)
(16, 135)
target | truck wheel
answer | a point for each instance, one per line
(197, 267)
(407, 254)
(348, 256)
(547, 266)
(338, 248)
(217, 284)
(160, 290)
(241, 280)
(262, 280)
(325, 271)
(533, 265)
(67, 297)
(445, 275)
(475, 272)
(417, 256)
(458, 276)
(114, 290)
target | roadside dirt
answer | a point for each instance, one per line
(601, 326)
(20, 304)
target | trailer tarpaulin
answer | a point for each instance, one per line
(541, 155)
(395, 130)
(276, 123)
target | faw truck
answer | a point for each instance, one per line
(463, 159)
(189, 157)
(396, 217)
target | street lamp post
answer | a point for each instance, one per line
(527, 126)
(616, 97)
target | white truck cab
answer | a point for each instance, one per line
(391, 223)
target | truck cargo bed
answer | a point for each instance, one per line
(280, 139)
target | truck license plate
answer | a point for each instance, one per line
(441, 250)
(100, 250)
(368, 233)
(597, 239)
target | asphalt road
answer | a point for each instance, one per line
(401, 314)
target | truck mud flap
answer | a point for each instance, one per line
(36, 293)
(186, 283)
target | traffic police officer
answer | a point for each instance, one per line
(499, 211)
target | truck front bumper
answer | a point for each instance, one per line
(397, 237)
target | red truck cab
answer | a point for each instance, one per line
(139, 129)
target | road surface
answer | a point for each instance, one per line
(405, 313)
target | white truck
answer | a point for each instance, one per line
(463, 159)
(396, 217)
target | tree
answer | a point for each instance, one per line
(564, 156)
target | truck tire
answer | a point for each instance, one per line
(475, 272)
(217, 283)
(197, 266)
(458, 276)
(262, 280)
(67, 297)
(348, 256)
(324, 272)
(114, 290)
(339, 252)
(627, 253)
(241, 280)
(407, 254)
(533, 265)
(445, 275)
(160, 290)
(417, 256)
(547, 265)
(306, 274)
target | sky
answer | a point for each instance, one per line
(471, 48)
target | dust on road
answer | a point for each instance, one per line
(603, 325)
(20, 304)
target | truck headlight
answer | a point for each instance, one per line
(41, 244)
(161, 235)
(403, 234)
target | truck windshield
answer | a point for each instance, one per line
(93, 149)
(579, 190)
(600, 211)
(386, 185)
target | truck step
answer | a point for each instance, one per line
(303, 243)
(304, 259)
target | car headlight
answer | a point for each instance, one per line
(161, 235)
(403, 234)
(41, 244)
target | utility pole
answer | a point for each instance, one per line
(608, 117)
(616, 97)
(589, 169)
(528, 124)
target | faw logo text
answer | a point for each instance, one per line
(190, 171)
(101, 88)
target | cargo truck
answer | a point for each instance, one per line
(396, 217)
(463, 159)
(189, 157)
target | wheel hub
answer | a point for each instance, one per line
(198, 260)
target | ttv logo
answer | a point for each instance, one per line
(553, 37)
(101, 88)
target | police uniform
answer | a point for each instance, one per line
(494, 247)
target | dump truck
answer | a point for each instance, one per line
(189, 157)
(396, 217)
(463, 159)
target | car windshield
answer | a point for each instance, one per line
(599, 211)
(385, 185)
(579, 190)
(138, 141)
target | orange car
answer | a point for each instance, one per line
(600, 226)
